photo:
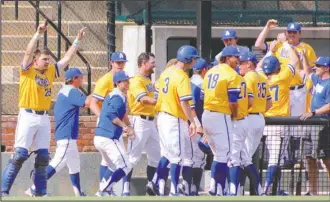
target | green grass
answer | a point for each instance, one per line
(200, 198)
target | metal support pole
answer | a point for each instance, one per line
(204, 26)
(37, 19)
(147, 23)
(111, 27)
(1, 90)
(16, 9)
(59, 19)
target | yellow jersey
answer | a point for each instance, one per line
(243, 101)
(139, 87)
(218, 82)
(103, 87)
(309, 94)
(283, 56)
(280, 91)
(174, 87)
(259, 88)
(35, 89)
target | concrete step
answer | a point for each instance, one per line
(26, 12)
(95, 58)
(10, 92)
(10, 74)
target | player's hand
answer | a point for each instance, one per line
(274, 46)
(306, 115)
(271, 23)
(281, 37)
(42, 27)
(192, 129)
(200, 130)
(128, 129)
(81, 33)
(131, 136)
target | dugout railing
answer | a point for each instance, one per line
(302, 139)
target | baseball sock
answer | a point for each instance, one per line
(252, 173)
(150, 172)
(162, 181)
(221, 174)
(102, 171)
(126, 182)
(75, 180)
(234, 173)
(187, 179)
(213, 185)
(269, 178)
(114, 178)
(197, 178)
(242, 183)
(161, 169)
(175, 174)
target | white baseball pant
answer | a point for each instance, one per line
(240, 131)
(173, 132)
(196, 158)
(147, 139)
(32, 131)
(66, 154)
(218, 128)
(297, 101)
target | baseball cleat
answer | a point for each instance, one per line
(125, 194)
(152, 189)
(30, 192)
(82, 194)
(4, 194)
(102, 193)
(181, 189)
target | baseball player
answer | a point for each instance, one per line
(103, 87)
(113, 121)
(37, 75)
(278, 80)
(262, 102)
(191, 180)
(66, 113)
(221, 88)
(174, 110)
(320, 106)
(142, 103)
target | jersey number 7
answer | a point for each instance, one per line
(276, 90)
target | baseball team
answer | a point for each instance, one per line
(177, 121)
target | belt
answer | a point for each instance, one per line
(254, 113)
(149, 118)
(297, 87)
(240, 119)
(36, 112)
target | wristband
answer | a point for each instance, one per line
(197, 123)
(75, 43)
(36, 36)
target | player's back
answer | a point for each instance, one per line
(260, 91)
(280, 92)
(103, 87)
(218, 82)
(174, 87)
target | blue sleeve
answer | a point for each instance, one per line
(77, 98)
(314, 79)
(114, 106)
(233, 96)
(327, 94)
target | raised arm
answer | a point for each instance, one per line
(31, 47)
(260, 42)
(72, 50)
(293, 55)
(305, 65)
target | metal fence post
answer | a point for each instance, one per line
(59, 19)
(1, 73)
(204, 28)
(147, 22)
(111, 27)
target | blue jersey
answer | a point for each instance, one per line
(196, 86)
(66, 112)
(114, 106)
(321, 94)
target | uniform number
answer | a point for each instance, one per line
(243, 91)
(48, 92)
(213, 81)
(261, 90)
(167, 81)
(276, 90)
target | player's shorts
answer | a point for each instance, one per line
(147, 139)
(218, 130)
(66, 154)
(32, 130)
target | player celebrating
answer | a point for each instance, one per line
(221, 88)
(142, 108)
(113, 121)
(262, 102)
(66, 113)
(103, 87)
(37, 75)
(174, 110)
(278, 80)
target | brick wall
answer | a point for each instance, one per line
(86, 133)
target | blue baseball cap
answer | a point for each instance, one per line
(270, 65)
(229, 34)
(214, 63)
(73, 72)
(200, 64)
(323, 61)
(230, 51)
(248, 56)
(118, 57)
(120, 76)
(293, 27)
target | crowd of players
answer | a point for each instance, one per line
(178, 120)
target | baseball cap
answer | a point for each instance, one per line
(293, 27)
(323, 61)
(248, 56)
(200, 64)
(214, 63)
(118, 57)
(73, 72)
(120, 76)
(270, 65)
(229, 34)
(230, 51)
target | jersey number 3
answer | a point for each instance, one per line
(213, 81)
(167, 81)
